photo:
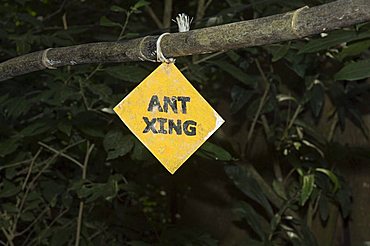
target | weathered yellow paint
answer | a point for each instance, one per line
(172, 150)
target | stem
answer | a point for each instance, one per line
(154, 17)
(167, 13)
(202, 60)
(81, 208)
(201, 9)
(30, 168)
(123, 28)
(61, 154)
(9, 237)
(296, 113)
(259, 109)
(332, 128)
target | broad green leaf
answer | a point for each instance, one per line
(343, 196)
(61, 235)
(240, 97)
(331, 176)
(140, 4)
(128, 73)
(354, 49)
(308, 183)
(317, 99)
(211, 151)
(333, 38)
(27, 216)
(8, 146)
(354, 71)
(248, 185)
(279, 189)
(117, 144)
(104, 21)
(280, 52)
(34, 129)
(65, 127)
(140, 152)
(254, 220)
(116, 8)
(307, 238)
(251, 242)
(237, 73)
(8, 189)
(324, 208)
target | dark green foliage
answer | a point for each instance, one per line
(61, 145)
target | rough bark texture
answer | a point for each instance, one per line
(272, 29)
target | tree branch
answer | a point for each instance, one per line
(267, 30)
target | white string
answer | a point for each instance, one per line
(160, 56)
(183, 21)
(45, 60)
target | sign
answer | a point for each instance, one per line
(169, 116)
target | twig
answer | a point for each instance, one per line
(81, 207)
(201, 9)
(256, 32)
(15, 164)
(202, 60)
(332, 128)
(60, 9)
(8, 236)
(154, 17)
(260, 106)
(61, 154)
(124, 26)
(30, 168)
(167, 13)
(294, 117)
(33, 222)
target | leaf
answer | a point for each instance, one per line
(354, 71)
(104, 21)
(280, 52)
(65, 127)
(317, 99)
(248, 185)
(307, 237)
(324, 208)
(333, 38)
(140, 4)
(307, 188)
(237, 73)
(343, 196)
(116, 8)
(211, 151)
(279, 189)
(140, 152)
(117, 144)
(251, 242)
(240, 97)
(254, 220)
(331, 176)
(353, 49)
(34, 129)
(8, 146)
(27, 216)
(9, 189)
(133, 74)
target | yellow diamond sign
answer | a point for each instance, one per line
(168, 116)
